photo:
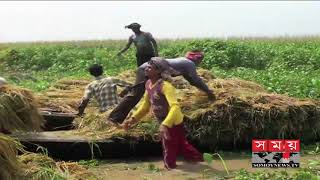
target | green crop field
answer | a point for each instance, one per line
(282, 65)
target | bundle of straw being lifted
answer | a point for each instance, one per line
(18, 110)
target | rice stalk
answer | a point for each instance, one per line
(18, 110)
(10, 168)
(243, 110)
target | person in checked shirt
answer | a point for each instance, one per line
(103, 89)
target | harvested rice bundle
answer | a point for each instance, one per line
(75, 170)
(39, 166)
(129, 76)
(95, 126)
(35, 166)
(77, 82)
(10, 168)
(244, 111)
(92, 120)
(58, 105)
(18, 110)
(64, 96)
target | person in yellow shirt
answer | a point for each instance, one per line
(160, 97)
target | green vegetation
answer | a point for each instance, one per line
(153, 168)
(89, 163)
(287, 66)
(312, 172)
(296, 82)
(35, 66)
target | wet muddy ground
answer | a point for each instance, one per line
(152, 168)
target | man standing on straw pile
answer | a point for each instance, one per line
(145, 44)
(104, 89)
(161, 98)
(185, 66)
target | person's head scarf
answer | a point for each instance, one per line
(195, 56)
(163, 67)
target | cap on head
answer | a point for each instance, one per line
(133, 26)
(195, 56)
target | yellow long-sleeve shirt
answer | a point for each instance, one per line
(174, 116)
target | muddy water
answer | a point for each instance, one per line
(148, 169)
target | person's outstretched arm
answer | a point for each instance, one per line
(88, 93)
(122, 83)
(127, 46)
(142, 110)
(193, 78)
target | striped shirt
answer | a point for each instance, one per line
(104, 90)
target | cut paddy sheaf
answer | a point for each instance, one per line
(9, 165)
(18, 110)
(63, 96)
(243, 110)
(35, 166)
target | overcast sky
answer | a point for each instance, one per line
(100, 20)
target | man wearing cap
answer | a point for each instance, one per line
(145, 44)
(185, 66)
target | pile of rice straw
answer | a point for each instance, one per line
(243, 110)
(18, 110)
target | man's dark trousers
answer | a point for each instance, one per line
(121, 111)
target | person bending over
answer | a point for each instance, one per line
(184, 66)
(103, 89)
